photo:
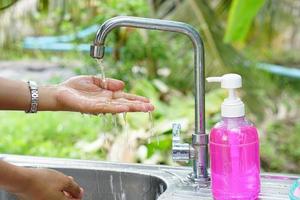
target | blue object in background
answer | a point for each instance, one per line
(280, 70)
(63, 43)
(62, 38)
(61, 47)
(294, 193)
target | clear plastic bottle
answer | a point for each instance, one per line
(234, 149)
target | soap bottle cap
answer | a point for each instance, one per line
(231, 106)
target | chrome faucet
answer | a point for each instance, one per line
(198, 151)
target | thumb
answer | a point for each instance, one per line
(72, 188)
(62, 196)
(70, 197)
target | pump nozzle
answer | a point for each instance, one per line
(228, 81)
(214, 79)
(232, 106)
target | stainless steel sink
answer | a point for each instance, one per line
(118, 181)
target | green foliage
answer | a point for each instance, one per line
(120, 7)
(280, 147)
(48, 134)
(241, 15)
(161, 145)
(6, 3)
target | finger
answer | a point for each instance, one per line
(108, 83)
(81, 189)
(81, 193)
(128, 96)
(72, 188)
(135, 106)
(69, 197)
(63, 196)
(141, 108)
(111, 107)
(67, 194)
(106, 106)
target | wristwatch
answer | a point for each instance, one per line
(34, 93)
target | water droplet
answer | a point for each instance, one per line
(125, 120)
(161, 188)
(114, 123)
(123, 197)
(151, 129)
(98, 185)
(124, 117)
(111, 184)
(126, 131)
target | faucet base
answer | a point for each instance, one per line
(202, 182)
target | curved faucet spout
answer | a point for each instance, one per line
(200, 138)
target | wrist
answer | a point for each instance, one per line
(20, 181)
(48, 98)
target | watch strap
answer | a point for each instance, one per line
(34, 93)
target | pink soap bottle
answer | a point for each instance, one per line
(234, 148)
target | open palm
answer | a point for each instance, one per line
(90, 94)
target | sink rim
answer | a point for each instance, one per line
(156, 171)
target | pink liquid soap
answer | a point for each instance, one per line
(235, 163)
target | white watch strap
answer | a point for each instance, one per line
(34, 93)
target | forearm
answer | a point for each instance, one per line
(13, 178)
(15, 95)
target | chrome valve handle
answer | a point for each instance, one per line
(180, 151)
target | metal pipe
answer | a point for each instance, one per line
(200, 138)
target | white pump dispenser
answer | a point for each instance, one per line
(232, 106)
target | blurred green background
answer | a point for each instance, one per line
(238, 35)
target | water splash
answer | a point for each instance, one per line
(103, 77)
(126, 130)
(161, 188)
(103, 118)
(126, 127)
(85, 115)
(121, 183)
(123, 196)
(98, 185)
(111, 184)
(151, 129)
(115, 123)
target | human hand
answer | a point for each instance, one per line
(46, 184)
(89, 94)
